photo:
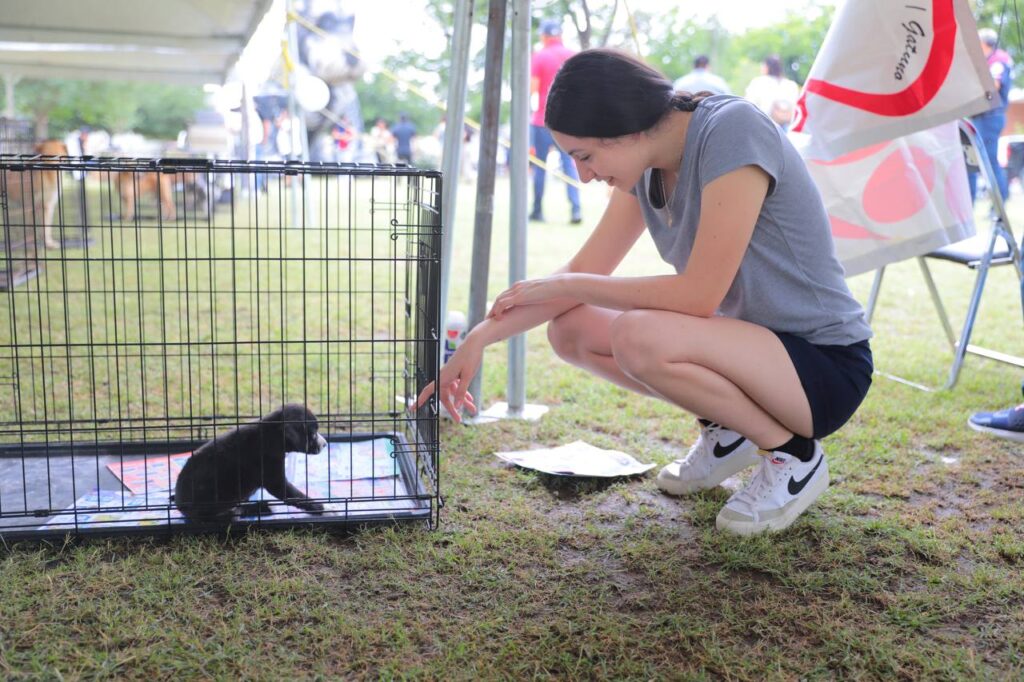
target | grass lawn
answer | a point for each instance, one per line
(909, 566)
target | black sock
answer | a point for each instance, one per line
(707, 422)
(798, 446)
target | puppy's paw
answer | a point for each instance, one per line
(258, 508)
(315, 508)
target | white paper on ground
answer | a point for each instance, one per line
(576, 459)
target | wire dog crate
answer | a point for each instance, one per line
(17, 136)
(209, 294)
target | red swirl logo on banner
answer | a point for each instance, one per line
(911, 99)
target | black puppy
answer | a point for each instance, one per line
(220, 476)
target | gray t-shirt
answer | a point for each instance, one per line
(789, 279)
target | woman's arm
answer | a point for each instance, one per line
(616, 233)
(730, 205)
(619, 228)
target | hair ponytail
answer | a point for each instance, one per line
(685, 101)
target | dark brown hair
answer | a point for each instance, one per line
(609, 93)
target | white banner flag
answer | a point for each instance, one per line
(889, 68)
(895, 200)
(876, 125)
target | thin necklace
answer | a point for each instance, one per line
(664, 192)
(657, 193)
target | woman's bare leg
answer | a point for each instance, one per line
(582, 337)
(732, 372)
(729, 371)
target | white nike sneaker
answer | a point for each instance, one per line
(781, 489)
(718, 454)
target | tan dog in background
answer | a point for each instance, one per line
(50, 189)
(134, 185)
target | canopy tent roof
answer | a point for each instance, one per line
(177, 41)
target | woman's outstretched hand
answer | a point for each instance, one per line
(453, 382)
(526, 292)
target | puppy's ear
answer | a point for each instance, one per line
(295, 436)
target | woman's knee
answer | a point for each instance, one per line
(632, 341)
(566, 336)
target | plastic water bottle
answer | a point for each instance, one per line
(454, 333)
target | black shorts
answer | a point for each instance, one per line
(835, 379)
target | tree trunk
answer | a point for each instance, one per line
(608, 28)
(42, 119)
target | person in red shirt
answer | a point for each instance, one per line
(544, 64)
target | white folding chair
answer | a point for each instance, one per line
(979, 253)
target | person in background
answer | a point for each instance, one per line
(404, 131)
(270, 108)
(382, 142)
(77, 142)
(344, 135)
(782, 113)
(990, 124)
(702, 80)
(1008, 423)
(544, 64)
(772, 92)
(83, 140)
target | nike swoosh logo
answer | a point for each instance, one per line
(726, 450)
(796, 486)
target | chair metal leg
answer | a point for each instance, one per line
(962, 345)
(1001, 223)
(1015, 254)
(876, 286)
(937, 300)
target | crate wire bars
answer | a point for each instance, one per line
(16, 137)
(205, 295)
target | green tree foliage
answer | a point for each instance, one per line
(164, 110)
(1005, 17)
(152, 109)
(675, 39)
(796, 39)
(380, 96)
(683, 39)
(672, 40)
(594, 22)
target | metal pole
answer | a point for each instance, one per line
(298, 117)
(453, 122)
(298, 122)
(518, 173)
(246, 140)
(10, 81)
(486, 170)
